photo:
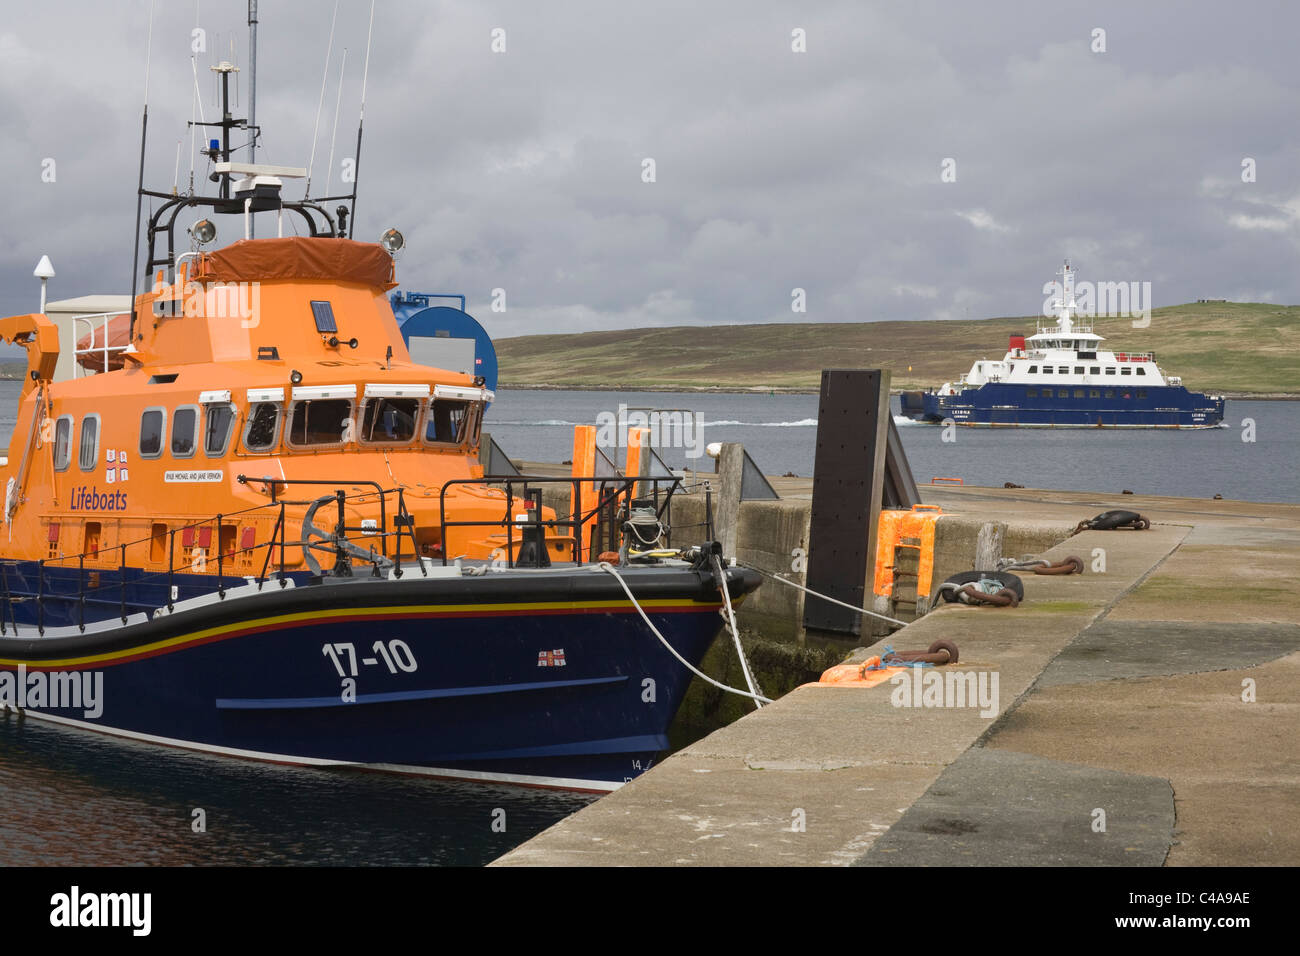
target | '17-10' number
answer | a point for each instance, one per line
(396, 655)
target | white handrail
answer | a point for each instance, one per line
(105, 349)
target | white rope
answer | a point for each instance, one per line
(735, 632)
(824, 597)
(606, 566)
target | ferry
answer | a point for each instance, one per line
(1059, 377)
(249, 524)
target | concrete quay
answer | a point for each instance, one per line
(1146, 714)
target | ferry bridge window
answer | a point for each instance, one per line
(219, 420)
(185, 425)
(1110, 371)
(1094, 370)
(1126, 371)
(1141, 370)
(89, 451)
(448, 421)
(263, 428)
(1033, 369)
(153, 425)
(62, 442)
(320, 421)
(387, 421)
(1064, 369)
(1078, 370)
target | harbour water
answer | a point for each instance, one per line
(1254, 457)
(73, 798)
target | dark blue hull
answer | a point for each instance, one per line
(541, 679)
(999, 404)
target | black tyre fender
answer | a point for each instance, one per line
(1008, 580)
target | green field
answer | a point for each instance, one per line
(1236, 347)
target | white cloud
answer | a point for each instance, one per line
(982, 219)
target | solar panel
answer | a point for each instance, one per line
(324, 314)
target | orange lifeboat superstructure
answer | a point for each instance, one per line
(274, 371)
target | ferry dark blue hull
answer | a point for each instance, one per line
(1000, 404)
(547, 679)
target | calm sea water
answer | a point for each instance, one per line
(68, 797)
(71, 798)
(780, 432)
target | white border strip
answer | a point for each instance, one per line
(519, 779)
(396, 391)
(309, 393)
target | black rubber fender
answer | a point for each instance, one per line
(1110, 520)
(1008, 580)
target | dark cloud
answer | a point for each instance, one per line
(775, 170)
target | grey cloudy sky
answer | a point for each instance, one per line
(775, 169)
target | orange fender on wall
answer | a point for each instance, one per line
(857, 675)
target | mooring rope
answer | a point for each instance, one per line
(730, 617)
(825, 597)
(606, 566)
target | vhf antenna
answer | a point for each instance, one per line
(139, 191)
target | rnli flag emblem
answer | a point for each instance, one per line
(553, 658)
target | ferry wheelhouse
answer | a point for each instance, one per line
(1061, 377)
(265, 532)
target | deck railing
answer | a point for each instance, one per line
(89, 592)
(103, 349)
(610, 494)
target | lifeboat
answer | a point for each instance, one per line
(256, 527)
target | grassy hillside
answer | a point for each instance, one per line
(1220, 346)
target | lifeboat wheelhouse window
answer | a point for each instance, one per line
(88, 454)
(449, 421)
(63, 443)
(1141, 370)
(1110, 371)
(1063, 369)
(262, 432)
(1033, 369)
(153, 426)
(317, 422)
(219, 422)
(1094, 370)
(185, 425)
(1078, 370)
(1126, 371)
(389, 421)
